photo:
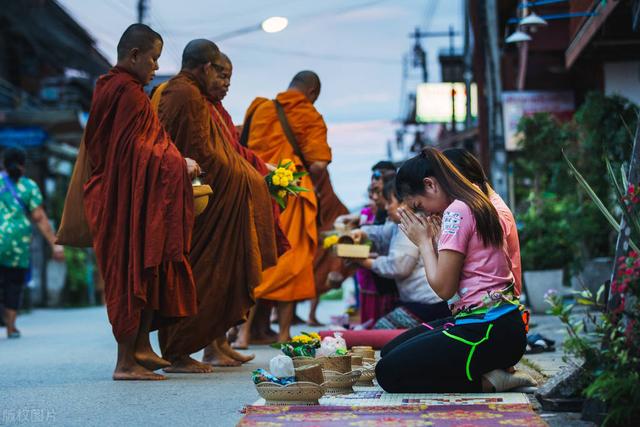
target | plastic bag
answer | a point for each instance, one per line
(330, 346)
(281, 366)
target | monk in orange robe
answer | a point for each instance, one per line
(292, 279)
(329, 270)
(234, 239)
(138, 203)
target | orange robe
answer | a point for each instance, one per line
(331, 208)
(292, 279)
(138, 203)
(234, 238)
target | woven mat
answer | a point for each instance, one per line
(455, 415)
(375, 396)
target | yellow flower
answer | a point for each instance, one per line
(291, 167)
(284, 182)
(302, 339)
(275, 179)
(330, 241)
(314, 335)
(282, 194)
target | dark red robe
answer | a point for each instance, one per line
(139, 205)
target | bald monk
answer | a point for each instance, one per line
(138, 203)
(219, 352)
(234, 239)
(292, 279)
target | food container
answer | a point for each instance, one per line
(298, 393)
(340, 364)
(340, 383)
(300, 361)
(201, 193)
(310, 373)
(347, 248)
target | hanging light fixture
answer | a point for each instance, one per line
(517, 37)
(533, 20)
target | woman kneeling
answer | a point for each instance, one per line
(461, 244)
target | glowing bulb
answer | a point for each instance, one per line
(275, 24)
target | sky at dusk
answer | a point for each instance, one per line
(356, 46)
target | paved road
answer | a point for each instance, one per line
(59, 373)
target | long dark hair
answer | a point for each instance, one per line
(432, 163)
(469, 166)
(14, 160)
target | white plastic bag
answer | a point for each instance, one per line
(281, 366)
(330, 345)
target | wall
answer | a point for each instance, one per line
(623, 78)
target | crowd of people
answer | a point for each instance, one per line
(445, 263)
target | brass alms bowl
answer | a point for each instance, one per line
(201, 193)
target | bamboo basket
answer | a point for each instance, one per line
(298, 393)
(310, 373)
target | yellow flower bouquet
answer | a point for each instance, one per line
(285, 182)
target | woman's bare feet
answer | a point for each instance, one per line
(135, 372)
(314, 322)
(224, 346)
(215, 357)
(187, 365)
(151, 361)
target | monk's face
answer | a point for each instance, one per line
(222, 80)
(144, 64)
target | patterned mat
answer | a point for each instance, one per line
(455, 415)
(375, 396)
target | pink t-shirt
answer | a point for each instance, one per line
(512, 243)
(485, 268)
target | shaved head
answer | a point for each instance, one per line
(308, 83)
(225, 58)
(137, 36)
(199, 52)
(306, 80)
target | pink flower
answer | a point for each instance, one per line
(631, 189)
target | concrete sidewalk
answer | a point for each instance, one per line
(59, 373)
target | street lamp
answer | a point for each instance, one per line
(517, 37)
(533, 20)
(274, 24)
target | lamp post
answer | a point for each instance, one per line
(274, 24)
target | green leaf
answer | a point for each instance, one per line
(298, 189)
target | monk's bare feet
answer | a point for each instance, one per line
(215, 357)
(284, 338)
(136, 373)
(227, 350)
(261, 340)
(187, 365)
(314, 322)
(151, 361)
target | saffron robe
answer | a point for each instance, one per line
(292, 279)
(331, 208)
(234, 238)
(138, 202)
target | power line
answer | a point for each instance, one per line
(326, 57)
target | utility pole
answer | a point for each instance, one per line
(142, 10)
(493, 80)
(467, 74)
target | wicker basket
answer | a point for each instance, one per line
(369, 362)
(300, 361)
(340, 364)
(356, 361)
(340, 383)
(367, 377)
(298, 393)
(310, 373)
(366, 353)
(359, 348)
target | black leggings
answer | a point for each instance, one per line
(450, 359)
(12, 283)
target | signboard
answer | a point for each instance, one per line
(25, 137)
(434, 102)
(516, 105)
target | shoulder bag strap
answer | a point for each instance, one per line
(12, 189)
(288, 132)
